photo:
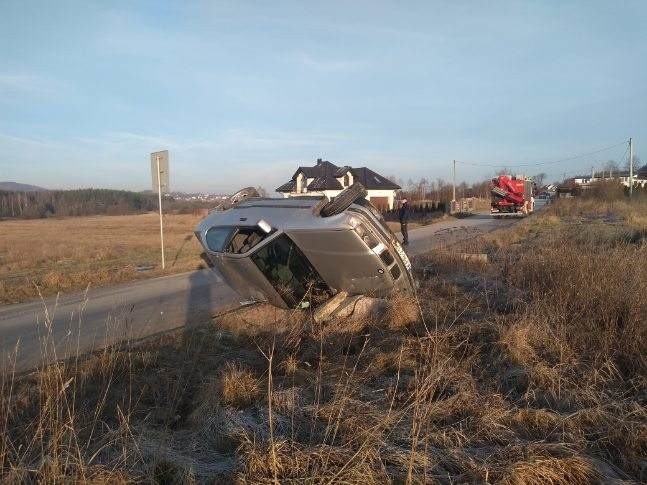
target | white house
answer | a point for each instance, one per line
(329, 179)
(640, 178)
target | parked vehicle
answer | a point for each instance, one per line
(512, 196)
(299, 252)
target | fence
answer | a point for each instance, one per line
(463, 205)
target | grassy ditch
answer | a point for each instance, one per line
(529, 368)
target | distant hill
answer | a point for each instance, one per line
(16, 187)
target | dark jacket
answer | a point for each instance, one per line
(404, 213)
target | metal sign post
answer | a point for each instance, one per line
(631, 168)
(454, 183)
(160, 178)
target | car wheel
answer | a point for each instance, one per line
(345, 198)
(241, 195)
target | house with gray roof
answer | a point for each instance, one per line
(329, 179)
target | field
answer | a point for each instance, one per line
(61, 255)
(527, 369)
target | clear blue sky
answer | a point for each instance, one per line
(242, 92)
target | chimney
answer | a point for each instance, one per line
(319, 161)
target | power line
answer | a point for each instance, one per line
(512, 165)
(598, 164)
(622, 158)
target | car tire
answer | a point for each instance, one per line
(241, 195)
(343, 201)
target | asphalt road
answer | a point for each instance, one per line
(77, 323)
(81, 322)
(449, 231)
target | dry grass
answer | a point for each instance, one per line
(403, 310)
(71, 253)
(551, 471)
(530, 369)
(290, 365)
(238, 386)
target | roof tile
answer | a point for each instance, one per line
(325, 174)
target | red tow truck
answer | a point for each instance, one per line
(512, 196)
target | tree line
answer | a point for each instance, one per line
(424, 191)
(418, 208)
(84, 202)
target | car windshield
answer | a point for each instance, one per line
(290, 273)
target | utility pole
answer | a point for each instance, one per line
(159, 196)
(454, 184)
(631, 168)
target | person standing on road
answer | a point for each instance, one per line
(403, 214)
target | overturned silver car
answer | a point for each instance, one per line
(299, 252)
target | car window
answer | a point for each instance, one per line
(245, 239)
(237, 240)
(216, 238)
(290, 273)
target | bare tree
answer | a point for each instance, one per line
(636, 162)
(611, 166)
(539, 179)
(423, 185)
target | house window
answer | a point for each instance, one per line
(346, 180)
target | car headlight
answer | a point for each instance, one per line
(366, 236)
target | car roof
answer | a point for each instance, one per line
(295, 213)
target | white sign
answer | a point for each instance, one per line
(159, 167)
